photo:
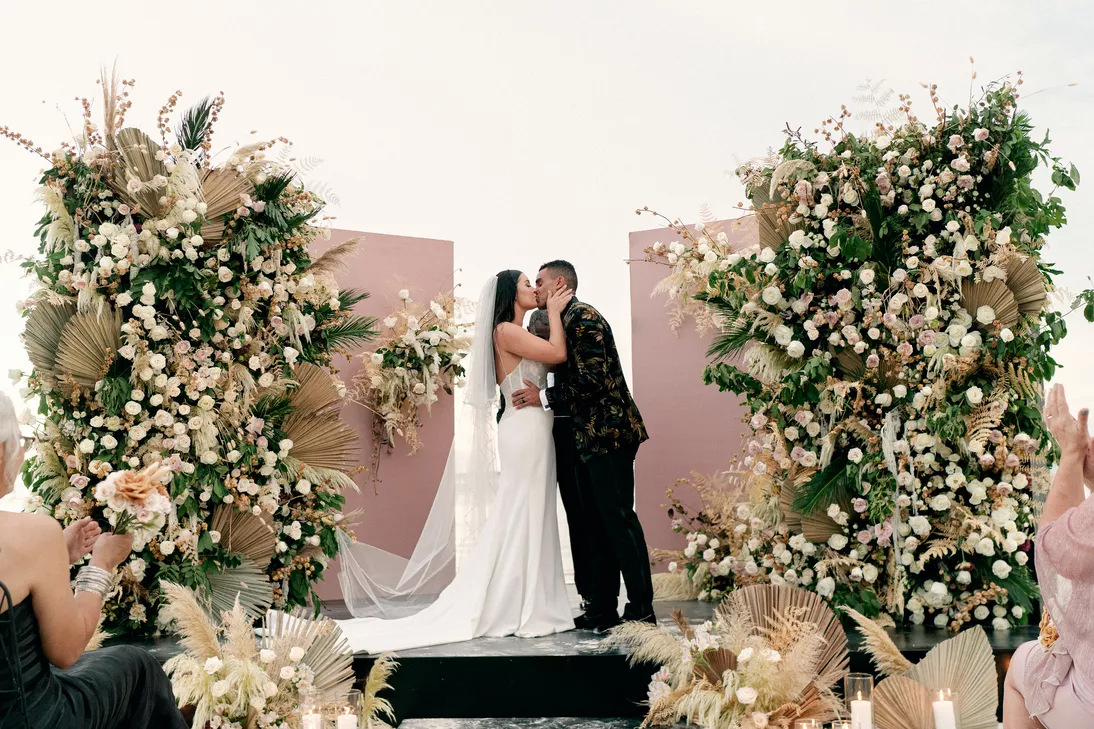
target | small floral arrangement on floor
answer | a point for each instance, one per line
(235, 680)
(422, 352)
(770, 656)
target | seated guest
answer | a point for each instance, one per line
(121, 687)
(1054, 688)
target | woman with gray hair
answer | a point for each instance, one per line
(45, 678)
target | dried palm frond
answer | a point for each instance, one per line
(883, 651)
(326, 650)
(45, 323)
(996, 294)
(244, 533)
(221, 189)
(902, 703)
(766, 602)
(190, 619)
(246, 583)
(713, 664)
(965, 664)
(314, 390)
(87, 346)
(674, 586)
(138, 163)
(817, 527)
(1026, 282)
(322, 441)
(645, 643)
(334, 259)
(373, 706)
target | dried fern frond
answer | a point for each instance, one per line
(883, 651)
(197, 634)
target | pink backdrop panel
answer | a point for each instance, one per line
(692, 426)
(394, 510)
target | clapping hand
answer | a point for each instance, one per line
(1071, 433)
(80, 537)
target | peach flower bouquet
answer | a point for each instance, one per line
(136, 501)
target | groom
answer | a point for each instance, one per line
(597, 433)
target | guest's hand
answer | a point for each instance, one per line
(526, 397)
(1088, 465)
(1071, 434)
(111, 550)
(80, 537)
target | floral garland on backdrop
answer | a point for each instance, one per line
(422, 352)
(179, 317)
(895, 339)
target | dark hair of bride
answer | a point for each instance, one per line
(506, 296)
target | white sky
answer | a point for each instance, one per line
(531, 130)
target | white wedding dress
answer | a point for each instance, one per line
(512, 581)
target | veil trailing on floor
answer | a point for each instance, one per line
(376, 583)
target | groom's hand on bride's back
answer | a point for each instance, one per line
(528, 397)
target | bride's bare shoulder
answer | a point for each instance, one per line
(507, 332)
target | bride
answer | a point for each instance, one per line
(511, 581)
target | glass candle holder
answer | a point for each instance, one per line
(807, 724)
(840, 724)
(858, 689)
(311, 713)
(349, 712)
(944, 707)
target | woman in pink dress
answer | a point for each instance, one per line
(1054, 688)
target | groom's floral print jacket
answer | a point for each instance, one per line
(590, 386)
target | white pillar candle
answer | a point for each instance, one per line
(312, 721)
(862, 714)
(347, 721)
(944, 715)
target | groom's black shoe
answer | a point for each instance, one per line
(597, 622)
(639, 614)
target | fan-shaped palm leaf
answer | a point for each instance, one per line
(996, 294)
(1027, 284)
(248, 583)
(138, 162)
(902, 703)
(43, 333)
(320, 438)
(326, 650)
(244, 533)
(221, 189)
(966, 665)
(87, 346)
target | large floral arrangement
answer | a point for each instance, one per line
(180, 318)
(422, 352)
(233, 679)
(770, 656)
(895, 338)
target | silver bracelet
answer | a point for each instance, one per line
(94, 579)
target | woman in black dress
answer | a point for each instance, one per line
(121, 687)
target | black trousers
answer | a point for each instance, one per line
(614, 534)
(577, 512)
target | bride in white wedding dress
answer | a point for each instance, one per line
(511, 581)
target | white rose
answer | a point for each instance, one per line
(296, 654)
(167, 548)
(795, 349)
(747, 695)
(929, 205)
(1006, 335)
(866, 276)
(212, 665)
(224, 274)
(303, 486)
(883, 141)
(826, 587)
(377, 359)
(1000, 624)
(771, 295)
(709, 555)
(837, 541)
(854, 455)
(869, 573)
(220, 688)
(87, 446)
(1001, 569)
(287, 672)
(974, 395)
(266, 655)
(985, 315)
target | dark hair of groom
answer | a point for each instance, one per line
(565, 269)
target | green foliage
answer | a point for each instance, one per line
(831, 485)
(190, 132)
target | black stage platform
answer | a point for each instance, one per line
(565, 675)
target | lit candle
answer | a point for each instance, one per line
(944, 715)
(862, 713)
(312, 721)
(347, 720)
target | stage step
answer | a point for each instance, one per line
(541, 722)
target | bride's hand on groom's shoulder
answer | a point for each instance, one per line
(527, 397)
(557, 300)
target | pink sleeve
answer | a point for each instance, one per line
(1063, 544)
